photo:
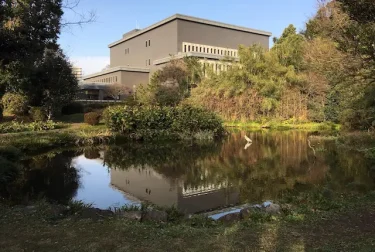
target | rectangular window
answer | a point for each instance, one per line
(204, 49)
(211, 50)
(149, 62)
(184, 48)
(116, 78)
(214, 51)
(146, 43)
(188, 48)
(149, 43)
(200, 49)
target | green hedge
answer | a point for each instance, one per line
(169, 120)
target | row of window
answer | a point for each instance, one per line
(148, 43)
(127, 51)
(188, 47)
(107, 80)
(215, 67)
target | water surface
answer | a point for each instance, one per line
(197, 177)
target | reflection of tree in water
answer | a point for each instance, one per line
(49, 176)
(274, 164)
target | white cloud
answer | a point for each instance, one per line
(90, 65)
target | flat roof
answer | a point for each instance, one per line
(116, 69)
(192, 19)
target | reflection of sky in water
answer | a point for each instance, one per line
(95, 185)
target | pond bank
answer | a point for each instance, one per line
(349, 227)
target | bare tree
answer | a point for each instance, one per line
(81, 17)
(117, 90)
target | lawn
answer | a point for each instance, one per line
(341, 230)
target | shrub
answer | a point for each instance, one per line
(14, 103)
(14, 127)
(1, 112)
(37, 114)
(73, 108)
(162, 120)
(92, 118)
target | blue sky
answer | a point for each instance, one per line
(88, 46)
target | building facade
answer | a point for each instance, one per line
(139, 53)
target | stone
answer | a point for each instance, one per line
(267, 203)
(231, 217)
(272, 209)
(155, 215)
(132, 215)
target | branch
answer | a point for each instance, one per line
(83, 18)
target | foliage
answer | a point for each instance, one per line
(170, 85)
(92, 118)
(15, 103)
(54, 84)
(258, 86)
(14, 126)
(1, 112)
(37, 114)
(181, 119)
(349, 28)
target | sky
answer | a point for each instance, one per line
(87, 46)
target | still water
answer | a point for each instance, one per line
(197, 177)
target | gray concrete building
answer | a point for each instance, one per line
(141, 52)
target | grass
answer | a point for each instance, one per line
(77, 134)
(347, 228)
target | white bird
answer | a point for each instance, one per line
(247, 145)
(248, 139)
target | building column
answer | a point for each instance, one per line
(101, 94)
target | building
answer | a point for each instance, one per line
(141, 52)
(77, 72)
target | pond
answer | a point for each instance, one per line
(195, 177)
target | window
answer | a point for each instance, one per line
(146, 62)
(149, 62)
(211, 50)
(149, 43)
(204, 49)
(184, 48)
(146, 43)
(214, 51)
(116, 78)
(221, 52)
(200, 49)
(188, 48)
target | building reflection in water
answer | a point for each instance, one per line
(150, 186)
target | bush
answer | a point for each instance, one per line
(168, 120)
(14, 103)
(37, 114)
(92, 118)
(14, 127)
(73, 108)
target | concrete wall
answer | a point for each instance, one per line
(131, 79)
(114, 77)
(163, 41)
(127, 78)
(216, 36)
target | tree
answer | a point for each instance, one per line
(117, 90)
(54, 84)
